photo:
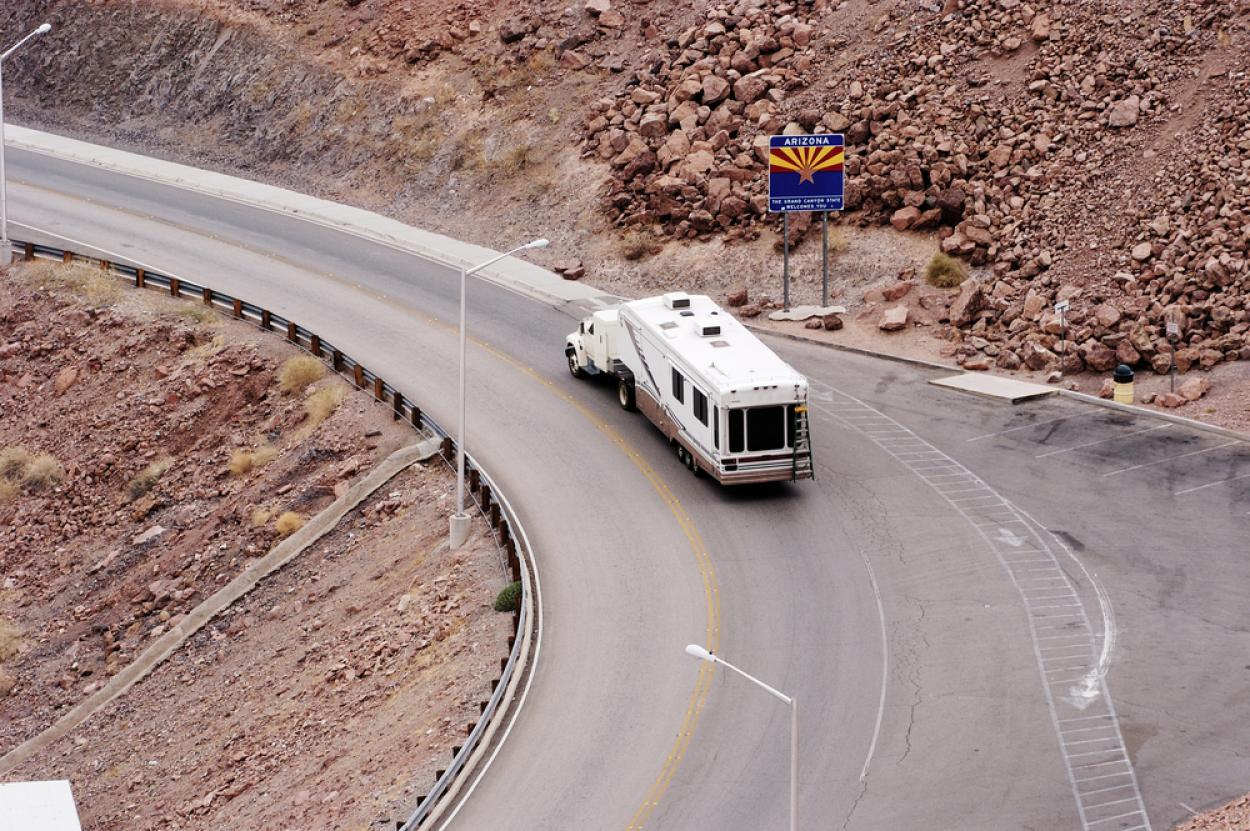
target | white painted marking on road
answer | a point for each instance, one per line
(1191, 811)
(1170, 458)
(1102, 441)
(1006, 537)
(1212, 484)
(885, 665)
(1027, 426)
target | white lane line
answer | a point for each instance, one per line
(1170, 458)
(1109, 819)
(1102, 441)
(1027, 426)
(1212, 484)
(885, 665)
(1104, 790)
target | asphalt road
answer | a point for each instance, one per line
(934, 600)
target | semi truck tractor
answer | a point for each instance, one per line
(729, 406)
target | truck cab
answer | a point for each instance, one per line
(591, 350)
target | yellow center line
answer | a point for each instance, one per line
(711, 592)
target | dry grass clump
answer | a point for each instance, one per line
(95, 284)
(148, 477)
(21, 469)
(244, 461)
(10, 639)
(261, 517)
(43, 472)
(321, 404)
(290, 522)
(945, 271)
(13, 463)
(838, 241)
(299, 372)
(634, 245)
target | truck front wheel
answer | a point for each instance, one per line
(575, 370)
(625, 393)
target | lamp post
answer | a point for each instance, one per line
(6, 253)
(696, 651)
(459, 524)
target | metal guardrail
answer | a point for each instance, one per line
(509, 536)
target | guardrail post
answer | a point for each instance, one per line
(336, 360)
(397, 402)
(67, 256)
(141, 277)
(175, 288)
(105, 265)
(379, 389)
(416, 416)
(447, 448)
(314, 345)
(486, 503)
(475, 479)
(207, 296)
(265, 322)
(358, 375)
(28, 252)
(494, 514)
(292, 332)
(238, 308)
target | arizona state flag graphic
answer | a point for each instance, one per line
(805, 172)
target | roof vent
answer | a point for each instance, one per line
(707, 329)
(677, 300)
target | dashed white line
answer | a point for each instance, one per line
(1170, 458)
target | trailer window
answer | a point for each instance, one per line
(679, 386)
(766, 428)
(737, 437)
(699, 402)
(716, 427)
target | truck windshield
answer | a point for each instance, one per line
(761, 428)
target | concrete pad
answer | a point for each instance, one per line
(995, 386)
(39, 806)
(804, 312)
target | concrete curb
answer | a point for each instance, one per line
(516, 275)
(171, 641)
(1086, 398)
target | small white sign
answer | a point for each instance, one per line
(1174, 330)
(1062, 306)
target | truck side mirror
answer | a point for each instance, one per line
(581, 328)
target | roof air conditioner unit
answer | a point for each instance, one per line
(677, 300)
(707, 329)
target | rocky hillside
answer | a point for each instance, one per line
(1096, 152)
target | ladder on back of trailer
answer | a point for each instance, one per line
(801, 465)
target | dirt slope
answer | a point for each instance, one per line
(148, 453)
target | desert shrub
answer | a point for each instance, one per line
(509, 597)
(8, 490)
(321, 404)
(838, 241)
(7, 683)
(96, 285)
(148, 477)
(13, 463)
(241, 462)
(634, 245)
(299, 372)
(290, 522)
(42, 472)
(945, 271)
(264, 454)
(260, 517)
(10, 638)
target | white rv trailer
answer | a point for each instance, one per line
(727, 403)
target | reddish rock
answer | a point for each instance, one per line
(1107, 390)
(897, 291)
(1170, 400)
(737, 298)
(1194, 388)
(831, 322)
(967, 303)
(1101, 358)
(894, 319)
(813, 323)
(1037, 357)
(977, 363)
(715, 90)
(905, 218)
(65, 379)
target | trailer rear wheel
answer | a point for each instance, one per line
(575, 370)
(625, 393)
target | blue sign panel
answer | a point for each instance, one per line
(805, 172)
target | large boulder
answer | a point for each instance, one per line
(894, 319)
(1124, 113)
(969, 301)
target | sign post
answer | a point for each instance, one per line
(1061, 309)
(805, 174)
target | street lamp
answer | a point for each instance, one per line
(6, 253)
(460, 519)
(696, 651)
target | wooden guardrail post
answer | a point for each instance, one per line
(416, 416)
(28, 252)
(397, 406)
(358, 375)
(238, 308)
(447, 448)
(475, 479)
(141, 277)
(379, 389)
(175, 287)
(292, 331)
(207, 296)
(336, 360)
(314, 344)
(67, 256)
(265, 322)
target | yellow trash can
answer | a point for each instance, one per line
(1123, 379)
